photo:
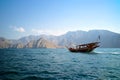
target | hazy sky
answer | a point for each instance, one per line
(33, 17)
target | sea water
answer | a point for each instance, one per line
(59, 64)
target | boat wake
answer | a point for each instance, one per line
(115, 53)
(100, 52)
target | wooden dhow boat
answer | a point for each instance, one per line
(85, 47)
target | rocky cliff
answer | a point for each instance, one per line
(41, 43)
(108, 39)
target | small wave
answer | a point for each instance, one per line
(6, 79)
(47, 72)
(112, 76)
(8, 72)
(83, 75)
(37, 78)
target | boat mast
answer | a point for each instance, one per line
(98, 39)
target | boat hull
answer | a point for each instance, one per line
(81, 50)
(85, 47)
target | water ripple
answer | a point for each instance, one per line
(59, 64)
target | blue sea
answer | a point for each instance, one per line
(59, 64)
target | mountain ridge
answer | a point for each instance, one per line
(108, 39)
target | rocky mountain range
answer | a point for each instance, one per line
(107, 39)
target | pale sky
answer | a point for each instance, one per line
(20, 18)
